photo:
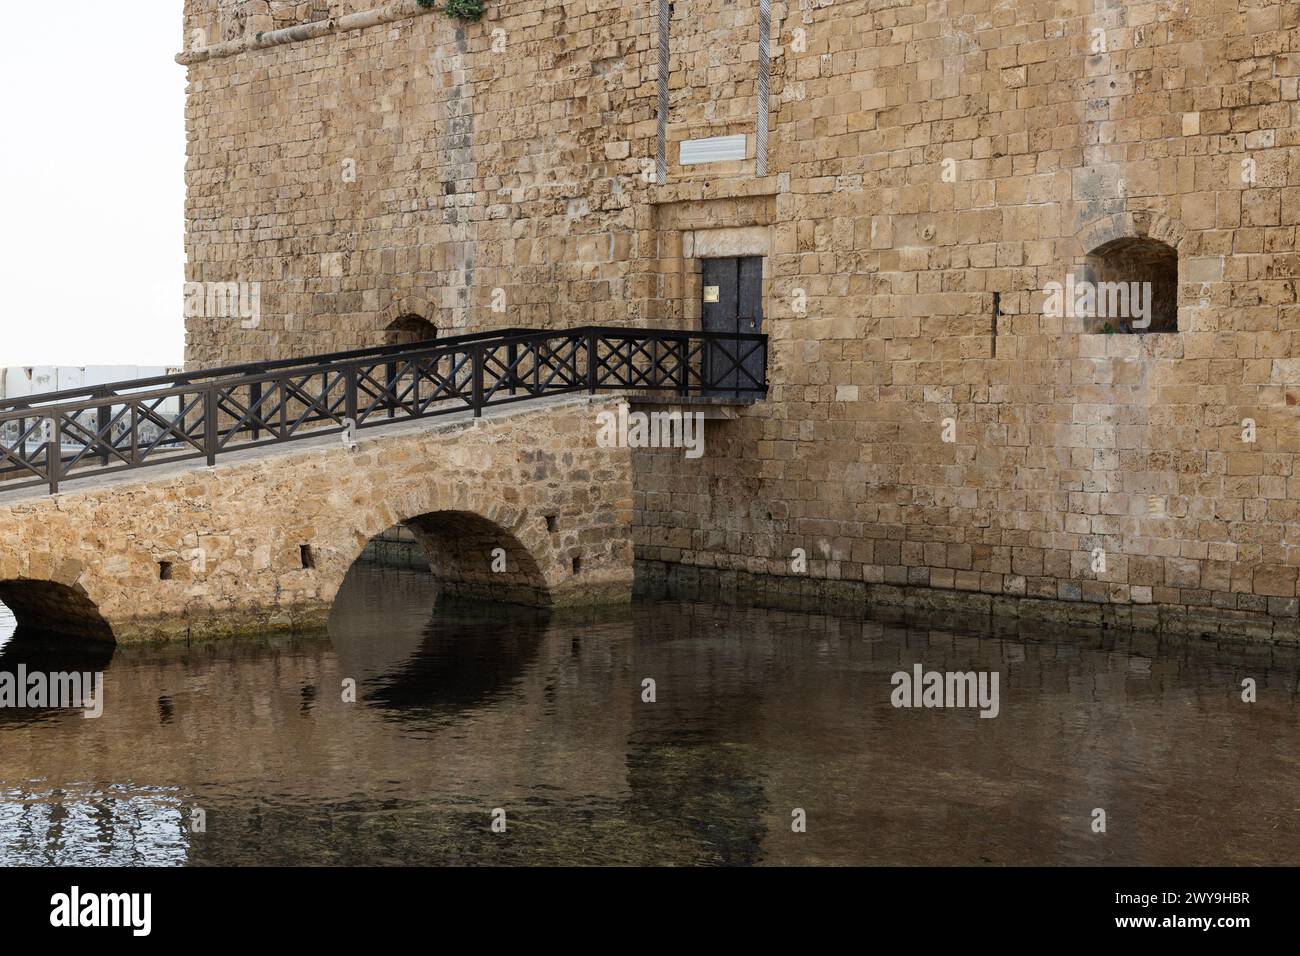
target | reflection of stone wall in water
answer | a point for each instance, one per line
(758, 714)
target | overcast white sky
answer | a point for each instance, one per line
(92, 184)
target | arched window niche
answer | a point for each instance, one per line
(409, 329)
(1124, 278)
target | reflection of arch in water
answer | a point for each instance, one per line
(54, 609)
(414, 661)
(50, 654)
(465, 658)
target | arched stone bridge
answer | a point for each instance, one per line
(264, 539)
(224, 500)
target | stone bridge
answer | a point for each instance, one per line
(263, 539)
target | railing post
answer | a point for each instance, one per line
(54, 453)
(103, 419)
(591, 363)
(390, 384)
(350, 394)
(210, 424)
(477, 398)
(255, 397)
(684, 367)
(512, 359)
(184, 415)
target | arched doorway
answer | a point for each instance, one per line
(409, 329)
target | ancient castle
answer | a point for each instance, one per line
(904, 195)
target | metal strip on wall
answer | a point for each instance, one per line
(764, 67)
(661, 156)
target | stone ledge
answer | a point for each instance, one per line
(720, 187)
(712, 407)
(978, 610)
(397, 10)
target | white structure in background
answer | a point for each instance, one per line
(33, 380)
(22, 382)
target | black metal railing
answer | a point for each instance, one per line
(50, 438)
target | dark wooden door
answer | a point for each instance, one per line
(733, 302)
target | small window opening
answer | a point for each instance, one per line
(304, 553)
(1134, 287)
(164, 570)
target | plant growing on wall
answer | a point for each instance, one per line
(460, 9)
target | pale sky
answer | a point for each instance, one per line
(92, 184)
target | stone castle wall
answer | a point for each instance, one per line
(932, 167)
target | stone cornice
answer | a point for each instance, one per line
(397, 10)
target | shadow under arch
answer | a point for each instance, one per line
(473, 557)
(50, 609)
(459, 556)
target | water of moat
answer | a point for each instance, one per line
(461, 711)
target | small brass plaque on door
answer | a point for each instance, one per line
(710, 293)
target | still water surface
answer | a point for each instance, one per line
(757, 713)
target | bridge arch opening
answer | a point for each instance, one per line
(469, 557)
(51, 609)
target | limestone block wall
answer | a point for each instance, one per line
(265, 538)
(411, 169)
(1172, 454)
(932, 168)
